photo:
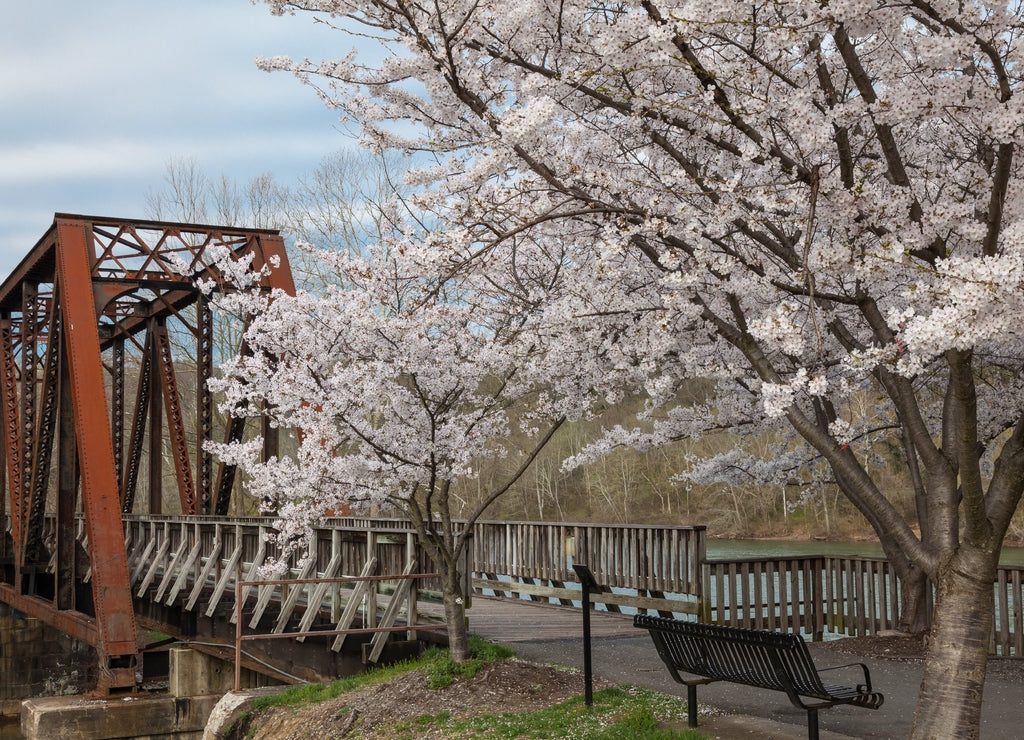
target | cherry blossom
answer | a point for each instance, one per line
(815, 206)
(394, 394)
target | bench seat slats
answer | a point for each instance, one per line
(768, 660)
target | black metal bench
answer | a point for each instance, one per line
(767, 660)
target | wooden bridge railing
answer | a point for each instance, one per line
(215, 566)
(644, 564)
(1008, 623)
(189, 553)
(647, 567)
(849, 596)
(843, 595)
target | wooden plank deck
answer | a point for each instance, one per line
(510, 621)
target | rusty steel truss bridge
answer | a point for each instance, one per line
(106, 346)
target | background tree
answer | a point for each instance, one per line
(800, 201)
(191, 196)
(351, 199)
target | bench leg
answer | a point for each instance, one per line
(812, 724)
(691, 705)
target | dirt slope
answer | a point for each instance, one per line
(504, 686)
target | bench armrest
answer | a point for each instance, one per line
(864, 688)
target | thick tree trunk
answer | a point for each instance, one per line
(949, 705)
(455, 616)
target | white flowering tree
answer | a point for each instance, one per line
(808, 202)
(397, 393)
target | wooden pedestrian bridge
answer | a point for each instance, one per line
(366, 585)
(116, 527)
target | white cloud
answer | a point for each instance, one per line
(102, 158)
(63, 160)
(96, 98)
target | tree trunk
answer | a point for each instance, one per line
(949, 704)
(914, 593)
(914, 587)
(455, 617)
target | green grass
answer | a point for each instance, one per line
(627, 713)
(313, 693)
(442, 671)
(437, 664)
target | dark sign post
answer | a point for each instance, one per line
(589, 585)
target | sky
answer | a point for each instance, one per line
(96, 98)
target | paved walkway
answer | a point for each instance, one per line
(623, 654)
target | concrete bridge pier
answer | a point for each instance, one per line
(197, 682)
(37, 659)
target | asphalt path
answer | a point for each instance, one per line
(623, 654)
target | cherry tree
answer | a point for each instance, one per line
(397, 391)
(809, 203)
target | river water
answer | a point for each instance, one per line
(749, 549)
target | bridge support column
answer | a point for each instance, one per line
(37, 659)
(197, 683)
(140, 717)
(193, 673)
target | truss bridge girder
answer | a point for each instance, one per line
(106, 347)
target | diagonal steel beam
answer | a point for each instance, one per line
(117, 643)
(175, 421)
(42, 442)
(130, 479)
(11, 425)
(27, 408)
